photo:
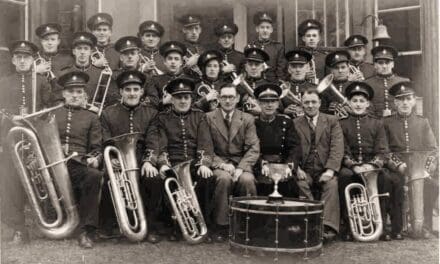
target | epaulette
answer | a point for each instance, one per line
(283, 115)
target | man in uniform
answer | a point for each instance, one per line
(80, 131)
(407, 134)
(322, 145)
(263, 22)
(172, 52)
(337, 62)
(366, 148)
(150, 33)
(383, 57)
(253, 77)
(53, 59)
(236, 150)
(101, 25)
(16, 99)
(133, 116)
(309, 32)
(356, 46)
(191, 30)
(279, 142)
(232, 58)
(184, 136)
(298, 66)
(83, 44)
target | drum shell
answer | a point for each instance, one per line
(296, 225)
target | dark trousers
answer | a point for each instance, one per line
(347, 176)
(86, 184)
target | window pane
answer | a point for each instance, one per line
(404, 29)
(385, 4)
(11, 23)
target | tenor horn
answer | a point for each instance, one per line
(183, 199)
(124, 187)
(37, 141)
(363, 207)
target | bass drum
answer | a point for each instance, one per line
(291, 227)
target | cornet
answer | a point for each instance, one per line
(144, 60)
(195, 68)
(313, 69)
(356, 71)
(40, 60)
(203, 90)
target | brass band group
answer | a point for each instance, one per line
(149, 139)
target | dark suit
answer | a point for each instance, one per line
(324, 151)
(238, 145)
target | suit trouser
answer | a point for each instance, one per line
(224, 187)
(384, 184)
(86, 184)
(13, 197)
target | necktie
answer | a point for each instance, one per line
(312, 126)
(228, 120)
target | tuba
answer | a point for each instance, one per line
(124, 187)
(36, 140)
(364, 208)
(327, 85)
(183, 199)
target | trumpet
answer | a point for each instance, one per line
(36, 140)
(40, 60)
(363, 207)
(144, 60)
(356, 71)
(124, 187)
(194, 68)
(183, 199)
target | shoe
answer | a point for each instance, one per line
(397, 236)
(172, 237)
(385, 237)
(329, 234)
(219, 238)
(85, 241)
(19, 238)
(347, 237)
(153, 238)
(208, 239)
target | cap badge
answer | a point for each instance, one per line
(47, 28)
(23, 45)
(336, 56)
(296, 56)
(309, 24)
(264, 15)
(74, 78)
(130, 76)
(355, 40)
(181, 86)
(357, 87)
(402, 88)
(384, 51)
(172, 46)
(98, 18)
(254, 53)
(225, 27)
(152, 26)
(82, 37)
(190, 18)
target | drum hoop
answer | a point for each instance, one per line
(263, 212)
(285, 250)
(243, 203)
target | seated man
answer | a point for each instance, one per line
(236, 150)
(133, 116)
(322, 146)
(408, 132)
(184, 136)
(365, 149)
(279, 142)
(80, 131)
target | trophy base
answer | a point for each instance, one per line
(272, 199)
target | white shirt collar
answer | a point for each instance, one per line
(230, 114)
(314, 119)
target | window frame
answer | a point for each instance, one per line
(24, 4)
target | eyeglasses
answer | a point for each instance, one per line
(227, 97)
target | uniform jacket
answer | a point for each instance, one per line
(367, 68)
(153, 54)
(277, 62)
(329, 140)
(59, 61)
(240, 146)
(111, 55)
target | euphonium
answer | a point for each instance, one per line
(327, 85)
(103, 84)
(363, 207)
(184, 203)
(145, 59)
(39, 60)
(124, 187)
(37, 141)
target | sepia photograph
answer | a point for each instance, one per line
(219, 131)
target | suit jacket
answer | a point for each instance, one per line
(240, 146)
(329, 140)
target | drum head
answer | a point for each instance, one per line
(290, 205)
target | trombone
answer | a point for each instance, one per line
(144, 60)
(103, 83)
(40, 60)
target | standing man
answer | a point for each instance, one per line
(322, 144)
(279, 142)
(16, 91)
(366, 148)
(236, 150)
(383, 57)
(233, 59)
(80, 131)
(50, 40)
(83, 44)
(101, 25)
(356, 46)
(191, 30)
(132, 116)
(297, 68)
(310, 33)
(184, 136)
(263, 22)
(150, 33)
(408, 132)
(172, 52)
